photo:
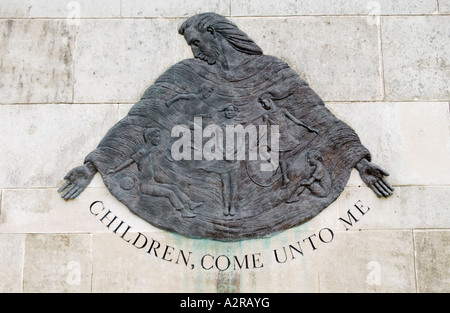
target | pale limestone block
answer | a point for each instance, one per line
(428, 206)
(444, 6)
(41, 143)
(173, 8)
(12, 248)
(368, 261)
(410, 140)
(36, 61)
(121, 267)
(57, 263)
(44, 211)
(432, 249)
(325, 7)
(74, 9)
(60, 8)
(117, 60)
(409, 207)
(416, 59)
(338, 57)
(14, 9)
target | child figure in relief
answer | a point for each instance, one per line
(227, 169)
(319, 183)
(190, 106)
(287, 142)
(145, 162)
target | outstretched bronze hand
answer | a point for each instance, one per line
(373, 176)
(76, 181)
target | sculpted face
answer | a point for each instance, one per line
(230, 112)
(204, 45)
(154, 138)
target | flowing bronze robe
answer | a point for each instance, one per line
(262, 207)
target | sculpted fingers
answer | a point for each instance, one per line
(70, 191)
(63, 187)
(66, 195)
(374, 189)
(386, 188)
(387, 185)
(76, 194)
(73, 192)
(381, 189)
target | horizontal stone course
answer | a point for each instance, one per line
(411, 207)
(329, 51)
(173, 8)
(380, 262)
(323, 60)
(178, 8)
(323, 7)
(59, 9)
(24, 211)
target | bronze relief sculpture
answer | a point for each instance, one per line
(229, 145)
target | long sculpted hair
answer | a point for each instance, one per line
(235, 37)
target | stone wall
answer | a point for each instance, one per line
(71, 69)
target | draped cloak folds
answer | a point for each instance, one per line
(262, 209)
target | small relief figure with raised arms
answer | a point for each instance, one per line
(144, 160)
(277, 116)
